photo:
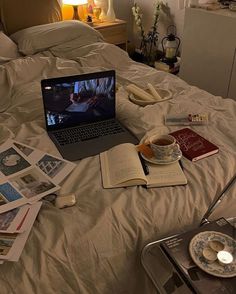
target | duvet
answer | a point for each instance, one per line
(95, 246)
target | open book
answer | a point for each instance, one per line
(121, 167)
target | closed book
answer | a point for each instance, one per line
(194, 146)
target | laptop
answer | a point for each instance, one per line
(80, 114)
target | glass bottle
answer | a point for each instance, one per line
(110, 11)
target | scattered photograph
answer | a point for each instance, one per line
(6, 242)
(50, 165)
(6, 218)
(24, 149)
(12, 162)
(2, 200)
(8, 193)
(31, 183)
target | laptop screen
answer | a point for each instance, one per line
(82, 99)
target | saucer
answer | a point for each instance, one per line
(165, 94)
(201, 241)
(175, 156)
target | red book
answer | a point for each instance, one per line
(194, 146)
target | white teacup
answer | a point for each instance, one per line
(163, 146)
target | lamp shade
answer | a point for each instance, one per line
(77, 5)
(75, 2)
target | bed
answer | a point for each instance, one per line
(95, 246)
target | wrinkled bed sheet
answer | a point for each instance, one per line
(95, 246)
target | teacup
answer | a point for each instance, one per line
(163, 146)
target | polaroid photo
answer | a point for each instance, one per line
(55, 167)
(24, 149)
(13, 220)
(10, 198)
(12, 162)
(19, 242)
(6, 245)
(6, 219)
(33, 184)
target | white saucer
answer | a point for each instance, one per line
(175, 156)
(165, 94)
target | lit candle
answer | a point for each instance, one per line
(224, 257)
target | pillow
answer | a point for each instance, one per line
(20, 14)
(8, 49)
(42, 37)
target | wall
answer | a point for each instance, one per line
(178, 16)
(123, 10)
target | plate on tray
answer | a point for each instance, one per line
(200, 241)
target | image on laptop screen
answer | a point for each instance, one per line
(75, 100)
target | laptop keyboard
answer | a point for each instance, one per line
(84, 133)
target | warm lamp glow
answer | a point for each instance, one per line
(75, 4)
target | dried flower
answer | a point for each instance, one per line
(149, 39)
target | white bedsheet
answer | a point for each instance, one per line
(95, 246)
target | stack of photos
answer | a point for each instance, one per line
(27, 175)
(15, 226)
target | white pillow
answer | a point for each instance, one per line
(38, 38)
(8, 49)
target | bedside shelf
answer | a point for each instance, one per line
(113, 32)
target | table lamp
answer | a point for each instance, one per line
(75, 4)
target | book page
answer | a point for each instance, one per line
(124, 165)
(165, 175)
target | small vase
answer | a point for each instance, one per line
(110, 11)
(103, 5)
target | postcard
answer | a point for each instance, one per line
(6, 245)
(28, 174)
(11, 162)
(12, 245)
(54, 167)
(26, 187)
(12, 221)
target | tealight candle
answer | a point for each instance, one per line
(216, 245)
(224, 257)
(209, 254)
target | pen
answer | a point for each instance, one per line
(144, 165)
(181, 164)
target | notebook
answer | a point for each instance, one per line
(80, 114)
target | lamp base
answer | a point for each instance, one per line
(76, 14)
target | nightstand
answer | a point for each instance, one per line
(113, 32)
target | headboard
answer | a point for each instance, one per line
(20, 14)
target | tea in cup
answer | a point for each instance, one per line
(163, 146)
